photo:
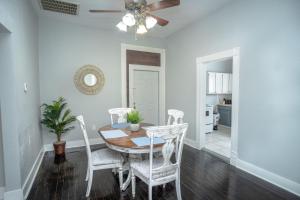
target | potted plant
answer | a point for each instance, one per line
(134, 118)
(58, 119)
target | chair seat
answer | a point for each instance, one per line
(106, 156)
(142, 167)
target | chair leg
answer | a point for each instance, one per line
(121, 177)
(150, 193)
(178, 190)
(87, 173)
(133, 184)
(89, 183)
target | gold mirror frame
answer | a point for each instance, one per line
(82, 86)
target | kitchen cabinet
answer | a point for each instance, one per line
(225, 115)
(211, 82)
(219, 83)
(225, 83)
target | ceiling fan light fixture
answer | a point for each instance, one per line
(129, 19)
(141, 29)
(122, 27)
(150, 22)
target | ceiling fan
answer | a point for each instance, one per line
(138, 14)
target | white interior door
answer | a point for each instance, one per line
(145, 85)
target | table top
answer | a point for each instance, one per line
(124, 144)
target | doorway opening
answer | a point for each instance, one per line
(217, 103)
(4, 37)
(218, 107)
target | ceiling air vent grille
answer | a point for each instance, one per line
(60, 6)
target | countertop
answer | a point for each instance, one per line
(227, 105)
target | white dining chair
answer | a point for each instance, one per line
(99, 159)
(161, 170)
(175, 117)
(119, 115)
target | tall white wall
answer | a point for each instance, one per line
(268, 34)
(22, 140)
(64, 48)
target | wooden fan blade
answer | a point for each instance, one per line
(105, 11)
(163, 4)
(160, 21)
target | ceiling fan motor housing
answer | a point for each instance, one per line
(136, 5)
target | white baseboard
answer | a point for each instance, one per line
(2, 189)
(268, 176)
(14, 195)
(191, 143)
(75, 143)
(33, 172)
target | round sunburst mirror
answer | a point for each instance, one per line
(89, 80)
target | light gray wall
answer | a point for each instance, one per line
(268, 34)
(20, 111)
(64, 48)
(2, 177)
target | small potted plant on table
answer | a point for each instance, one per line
(134, 118)
(58, 119)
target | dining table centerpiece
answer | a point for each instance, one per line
(134, 119)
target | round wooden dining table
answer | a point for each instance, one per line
(125, 145)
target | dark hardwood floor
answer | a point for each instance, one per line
(203, 177)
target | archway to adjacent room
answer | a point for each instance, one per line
(205, 86)
(3, 35)
(10, 160)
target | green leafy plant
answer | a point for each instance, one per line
(134, 117)
(57, 117)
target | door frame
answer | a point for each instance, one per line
(201, 97)
(162, 52)
(161, 83)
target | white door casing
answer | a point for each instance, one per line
(201, 97)
(145, 86)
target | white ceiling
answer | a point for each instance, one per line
(187, 12)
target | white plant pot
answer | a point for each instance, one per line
(134, 127)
